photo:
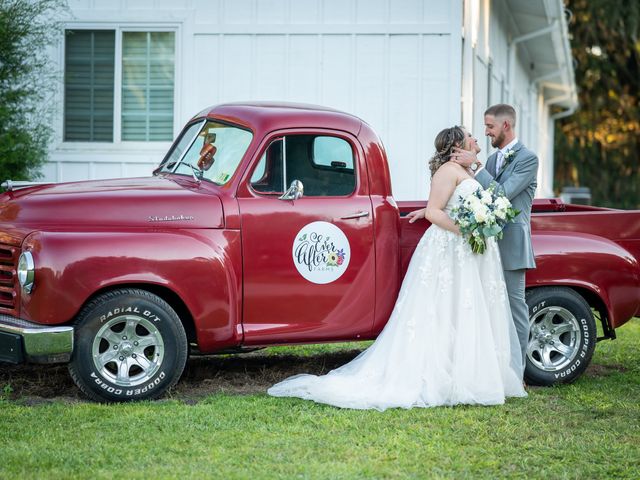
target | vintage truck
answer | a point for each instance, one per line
(265, 224)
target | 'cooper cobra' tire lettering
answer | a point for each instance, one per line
(561, 338)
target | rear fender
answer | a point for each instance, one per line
(585, 261)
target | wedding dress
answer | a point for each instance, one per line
(450, 338)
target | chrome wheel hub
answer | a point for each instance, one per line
(554, 339)
(128, 350)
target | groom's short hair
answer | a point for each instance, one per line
(503, 110)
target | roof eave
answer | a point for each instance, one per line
(553, 72)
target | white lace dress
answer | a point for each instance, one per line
(450, 338)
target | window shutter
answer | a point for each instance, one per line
(147, 85)
(89, 80)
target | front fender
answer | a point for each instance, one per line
(201, 266)
(591, 262)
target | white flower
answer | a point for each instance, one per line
(480, 217)
(473, 201)
(502, 203)
(480, 213)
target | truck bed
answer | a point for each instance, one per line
(549, 216)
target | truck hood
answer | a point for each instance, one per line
(149, 202)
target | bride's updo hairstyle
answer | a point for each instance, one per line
(445, 141)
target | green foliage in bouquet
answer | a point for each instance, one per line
(481, 215)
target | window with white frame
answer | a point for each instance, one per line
(143, 110)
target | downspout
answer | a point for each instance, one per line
(567, 52)
(513, 45)
(564, 113)
(570, 95)
(553, 118)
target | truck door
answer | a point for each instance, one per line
(308, 251)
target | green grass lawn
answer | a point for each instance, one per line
(590, 429)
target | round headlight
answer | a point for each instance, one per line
(26, 271)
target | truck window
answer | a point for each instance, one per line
(332, 152)
(210, 150)
(324, 165)
(268, 176)
(183, 143)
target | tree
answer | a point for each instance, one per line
(599, 146)
(27, 84)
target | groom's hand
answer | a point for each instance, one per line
(463, 157)
(416, 215)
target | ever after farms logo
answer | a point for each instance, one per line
(321, 252)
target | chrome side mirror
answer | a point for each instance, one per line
(295, 191)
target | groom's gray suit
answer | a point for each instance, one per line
(517, 180)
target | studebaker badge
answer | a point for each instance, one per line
(172, 218)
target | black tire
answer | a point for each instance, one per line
(129, 345)
(562, 336)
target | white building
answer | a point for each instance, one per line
(137, 70)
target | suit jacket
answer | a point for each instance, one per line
(517, 180)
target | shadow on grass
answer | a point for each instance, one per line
(241, 374)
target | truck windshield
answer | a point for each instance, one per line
(208, 150)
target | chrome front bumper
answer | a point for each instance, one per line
(22, 341)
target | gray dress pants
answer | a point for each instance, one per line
(519, 310)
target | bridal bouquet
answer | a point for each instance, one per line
(483, 214)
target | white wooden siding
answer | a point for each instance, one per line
(398, 64)
(404, 85)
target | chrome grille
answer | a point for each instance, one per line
(8, 278)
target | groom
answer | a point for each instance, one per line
(514, 169)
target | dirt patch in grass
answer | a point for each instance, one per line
(594, 370)
(251, 373)
(241, 374)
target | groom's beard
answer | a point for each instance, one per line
(497, 141)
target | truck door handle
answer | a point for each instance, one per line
(355, 215)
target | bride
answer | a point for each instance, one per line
(450, 338)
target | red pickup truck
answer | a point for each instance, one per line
(265, 224)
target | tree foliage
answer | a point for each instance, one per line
(599, 146)
(27, 84)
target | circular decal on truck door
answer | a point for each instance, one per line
(321, 252)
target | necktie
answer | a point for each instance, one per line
(499, 161)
